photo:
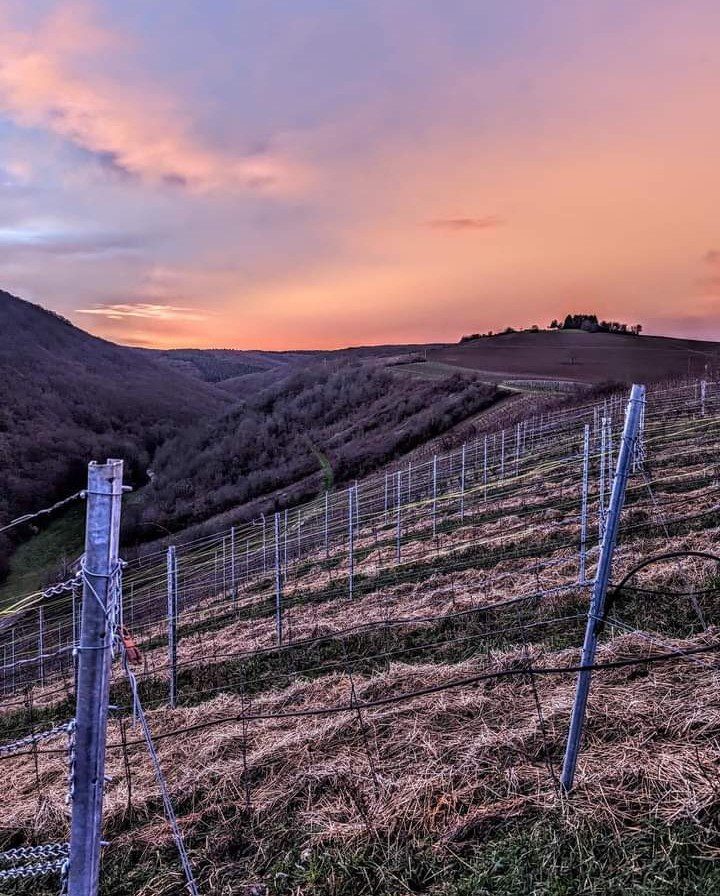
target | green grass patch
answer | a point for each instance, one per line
(40, 560)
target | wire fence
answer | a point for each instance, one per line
(457, 559)
(471, 508)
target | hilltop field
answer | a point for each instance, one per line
(581, 357)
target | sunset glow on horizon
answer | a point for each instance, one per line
(307, 174)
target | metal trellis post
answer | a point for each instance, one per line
(399, 522)
(434, 495)
(100, 585)
(172, 607)
(357, 508)
(285, 532)
(327, 549)
(485, 473)
(233, 583)
(264, 541)
(278, 584)
(584, 505)
(41, 647)
(601, 487)
(351, 542)
(602, 578)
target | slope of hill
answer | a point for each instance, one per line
(582, 357)
(406, 736)
(68, 397)
(294, 437)
(210, 365)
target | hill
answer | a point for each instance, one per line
(228, 366)
(319, 425)
(284, 424)
(581, 357)
(404, 731)
(68, 396)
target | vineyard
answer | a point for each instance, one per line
(372, 692)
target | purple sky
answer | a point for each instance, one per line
(297, 174)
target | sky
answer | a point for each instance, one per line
(313, 174)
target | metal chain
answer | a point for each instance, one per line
(31, 739)
(71, 764)
(27, 853)
(62, 587)
(34, 861)
(40, 868)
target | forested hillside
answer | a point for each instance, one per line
(320, 424)
(67, 397)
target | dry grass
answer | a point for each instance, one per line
(445, 769)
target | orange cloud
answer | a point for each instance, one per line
(462, 224)
(138, 130)
(144, 310)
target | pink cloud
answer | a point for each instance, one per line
(464, 224)
(137, 128)
(144, 310)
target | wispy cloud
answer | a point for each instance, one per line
(133, 130)
(32, 240)
(463, 224)
(144, 310)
